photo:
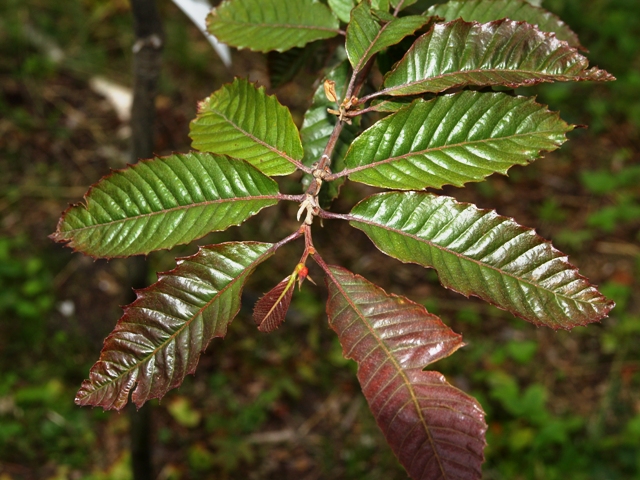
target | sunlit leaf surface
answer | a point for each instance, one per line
(366, 36)
(342, 8)
(160, 203)
(503, 52)
(484, 11)
(453, 139)
(242, 121)
(161, 335)
(478, 252)
(265, 25)
(436, 430)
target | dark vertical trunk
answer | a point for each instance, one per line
(147, 59)
(147, 64)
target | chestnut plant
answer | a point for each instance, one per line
(444, 113)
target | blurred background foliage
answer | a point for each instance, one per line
(287, 405)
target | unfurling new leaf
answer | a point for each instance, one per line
(436, 430)
(271, 310)
(160, 337)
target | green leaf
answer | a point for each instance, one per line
(436, 430)
(381, 5)
(242, 121)
(484, 11)
(390, 106)
(453, 139)
(283, 67)
(342, 9)
(265, 25)
(366, 37)
(503, 52)
(160, 203)
(403, 3)
(477, 252)
(158, 340)
(317, 127)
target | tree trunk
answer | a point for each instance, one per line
(147, 65)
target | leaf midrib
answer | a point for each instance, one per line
(405, 156)
(358, 66)
(397, 366)
(170, 210)
(187, 323)
(536, 73)
(283, 25)
(431, 244)
(280, 153)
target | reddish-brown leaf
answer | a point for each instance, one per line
(436, 430)
(158, 340)
(271, 310)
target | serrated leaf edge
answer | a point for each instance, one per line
(140, 296)
(563, 258)
(58, 236)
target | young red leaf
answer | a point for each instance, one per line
(271, 310)
(436, 430)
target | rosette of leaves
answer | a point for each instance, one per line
(435, 121)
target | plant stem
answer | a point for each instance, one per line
(335, 216)
(291, 198)
(320, 261)
(397, 10)
(353, 89)
(297, 234)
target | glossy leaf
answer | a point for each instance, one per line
(265, 25)
(436, 430)
(390, 105)
(381, 5)
(160, 203)
(271, 310)
(402, 3)
(283, 67)
(503, 52)
(478, 252)
(366, 36)
(242, 121)
(452, 140)
(484, 11)
(318, 125)
(158, 340)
